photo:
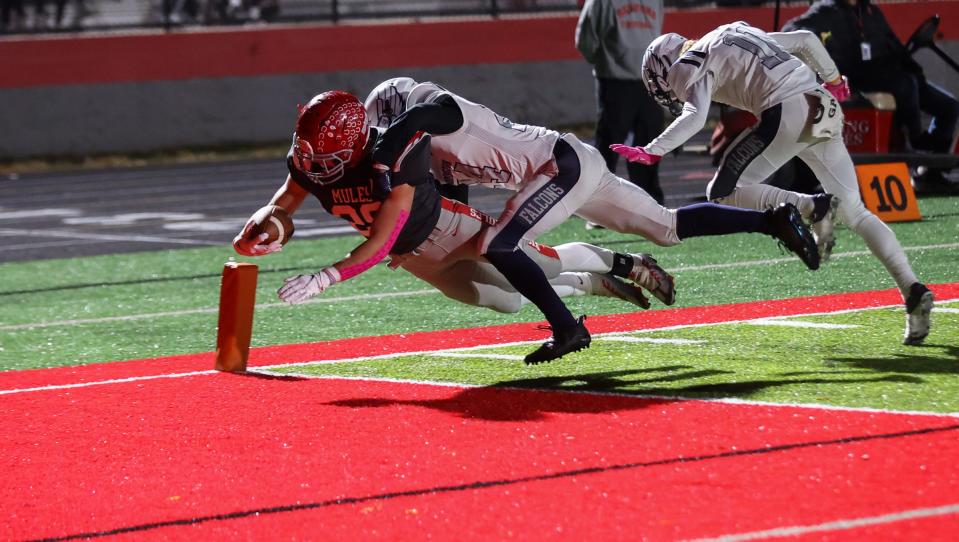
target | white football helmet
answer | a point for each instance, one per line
(392, 97)
(661, 54)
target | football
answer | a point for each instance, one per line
(275, 221)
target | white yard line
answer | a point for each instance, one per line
(107, 237)
(650, 340)
(799, 323)
(480, 356)
(836, 255)
(205, 310)
(838, 525)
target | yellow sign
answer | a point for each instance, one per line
(886, 190)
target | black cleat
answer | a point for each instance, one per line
(785, 224)
(561, 344)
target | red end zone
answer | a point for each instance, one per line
(220, 456)
(225, 456)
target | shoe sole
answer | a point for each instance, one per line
(668, 296)
(620, 291)
(924, 309)
(825, 243)
(577, 349)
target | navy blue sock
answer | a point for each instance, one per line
(713, 219)
(528, 279)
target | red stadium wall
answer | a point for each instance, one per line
(352, 47)
(118, 73)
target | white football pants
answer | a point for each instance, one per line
(595, 194)
(830, 162)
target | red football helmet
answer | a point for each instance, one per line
(331, 133)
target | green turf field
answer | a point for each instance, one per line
(88, 310)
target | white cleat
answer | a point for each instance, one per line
(918, 314)
(648, 274)
(610, 286)
(824, 224)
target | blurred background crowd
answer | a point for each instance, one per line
(26, 16)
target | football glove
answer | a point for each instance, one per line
(302, 287)
(253, 246)
(840, 91)
(635, 154)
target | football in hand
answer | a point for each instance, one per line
(273, 220)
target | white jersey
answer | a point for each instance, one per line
(489, 149)
(742, 66)
(749, 69)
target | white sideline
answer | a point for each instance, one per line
(101, 382)
(209, 310)
(837, 525)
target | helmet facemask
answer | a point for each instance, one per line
(320, 168)
(658, 87)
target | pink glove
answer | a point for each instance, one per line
(635, 154)
(839, 90)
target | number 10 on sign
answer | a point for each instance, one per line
(887, 191)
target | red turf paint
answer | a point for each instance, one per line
(443, 339)
(97, 459)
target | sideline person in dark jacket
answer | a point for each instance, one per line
(867, 51)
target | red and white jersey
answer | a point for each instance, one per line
(742, 66)
(489, 149)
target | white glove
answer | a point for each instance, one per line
(302, 287)
(246, 246)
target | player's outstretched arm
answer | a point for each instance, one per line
(386, 228)
(693, 118)
(289, 197)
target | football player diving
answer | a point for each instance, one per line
(403, 215)
(554, 176)
(742, 66)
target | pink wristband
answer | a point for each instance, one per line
(356, 269)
